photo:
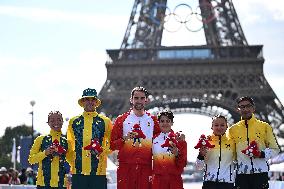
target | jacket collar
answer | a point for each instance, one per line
(250, 121)
(90, 114)
(217, 137)
(55, 133)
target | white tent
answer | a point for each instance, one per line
(111, 165)
(111, 171)
(277, 159)
(277, 167)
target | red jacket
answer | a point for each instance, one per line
(165, 163)
(4, 179)
(131, 151)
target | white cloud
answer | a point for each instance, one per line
(258, 11)
(98, 21)
(34, 62)
(276, 8)
(277, 84)
(17, 75)
(53, 86)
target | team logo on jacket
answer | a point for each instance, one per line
(138, 134)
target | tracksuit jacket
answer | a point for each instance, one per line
(134, 156)
(242, 134)
(218, 164)
(52, 170)
(167, 168)
(81, 130)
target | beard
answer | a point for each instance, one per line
(246, 116)
(90, 107)
(138, 106)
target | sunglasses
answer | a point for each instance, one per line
(242, 107)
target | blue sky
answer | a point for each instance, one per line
(51, 50)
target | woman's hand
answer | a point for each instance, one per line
(203, 151)
(174, 148)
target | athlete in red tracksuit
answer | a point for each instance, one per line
(132, 135)
(169, 154)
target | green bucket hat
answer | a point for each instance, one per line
(89, 93)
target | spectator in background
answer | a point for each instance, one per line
(10, 172)
(23, 176)
(4, 177)
(14, 177)
(31, 180)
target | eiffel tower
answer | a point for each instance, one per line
(204, 79)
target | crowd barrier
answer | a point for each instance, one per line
(276, 184)
(7, 186)
(272, 185)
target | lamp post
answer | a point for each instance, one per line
(32, 113)
(66, 122)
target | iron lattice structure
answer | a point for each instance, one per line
(203, 79)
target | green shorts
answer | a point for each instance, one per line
(89, 181)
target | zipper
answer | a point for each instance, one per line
(217, 179)
(251, 162)
(205, 172)
(230, 172)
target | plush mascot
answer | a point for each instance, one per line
(59, 149)
(94, 147)
(138, 134)
(252, 150)
(203, 141)
(171, 139)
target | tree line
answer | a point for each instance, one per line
(6, 143)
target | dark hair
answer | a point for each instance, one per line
(140, 89)
(219, 116)
(245, 98)
(55, 112)
(166, 113)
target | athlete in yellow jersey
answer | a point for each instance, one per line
(89, 169)
(252, 171)
(51, 153)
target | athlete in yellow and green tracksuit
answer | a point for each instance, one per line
(89, 169)
(52, 170)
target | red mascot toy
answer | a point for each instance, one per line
(59, 149)
(203, 141)
(138, 134)
(95, 147)
(252, 150)
(171, 139)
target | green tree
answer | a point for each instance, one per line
(6, 142)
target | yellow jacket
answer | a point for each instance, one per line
(262, 133)
(218, 164)
(51, 170)
(81, 130)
